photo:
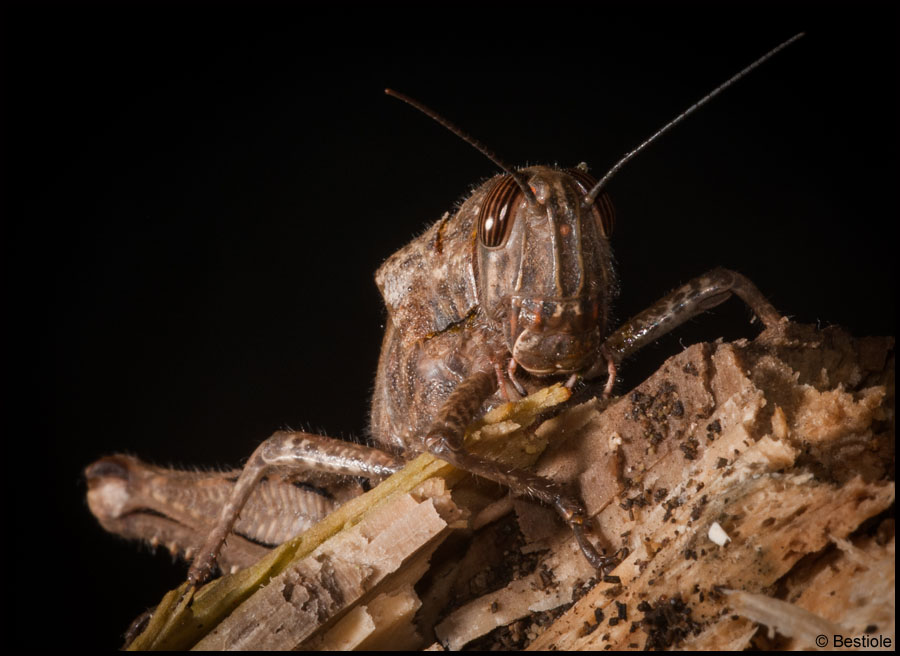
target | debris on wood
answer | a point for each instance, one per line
(787, 443)
(848, 586)
(748, 488)
(541, 590)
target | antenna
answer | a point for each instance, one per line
(593, 193)
(472, 141)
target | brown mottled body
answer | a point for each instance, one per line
(414, 381)
(429, 344)
(458, 308)
(508, 293)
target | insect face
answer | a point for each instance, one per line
(545, 268)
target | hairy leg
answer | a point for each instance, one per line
(177, 509)
(289, 451)
(689, 300)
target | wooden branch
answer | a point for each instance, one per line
(747, 483)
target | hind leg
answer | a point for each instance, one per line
(177, 509)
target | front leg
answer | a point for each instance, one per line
(689, 300)
(445, 441)
(289, 451)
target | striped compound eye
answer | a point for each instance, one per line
(498, 212)
(603, 207)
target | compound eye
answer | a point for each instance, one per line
(497, 212)
(603, 207)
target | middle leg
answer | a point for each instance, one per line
(289, 451)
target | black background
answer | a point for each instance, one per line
(195, 198)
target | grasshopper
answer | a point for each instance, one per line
(507, 294)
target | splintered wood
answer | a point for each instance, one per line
(748, 487)
(368, 548)
(336, 575)
(741, 466)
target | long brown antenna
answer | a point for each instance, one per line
(472, 141)
(593, 193)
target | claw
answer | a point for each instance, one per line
(201, 570)
(604, 563)
(574, 516)
(511, 374)
(610, 370)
